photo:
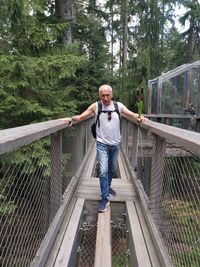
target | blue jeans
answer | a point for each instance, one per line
(107, 156)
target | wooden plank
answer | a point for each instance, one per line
(13, 138)
(126, 173)
(63, 258)
(103, 240)
(96, 197)
(122, 173)
(172, 116)
(16, 137)
(91, 162)
(53, 230)
(58, 240)
(148, 240)
(136, 234)
(90, 189)
(95, 181)
(184, 138)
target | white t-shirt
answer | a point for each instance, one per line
(109, 131)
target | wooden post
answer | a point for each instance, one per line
(197, 126)
(198, 96)
(157, 171)
(149, 98)
(56, 173)
(159, 96)
(134, 147)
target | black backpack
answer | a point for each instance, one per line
(93, 127)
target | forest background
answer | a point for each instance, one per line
(55, 54)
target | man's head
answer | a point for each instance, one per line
(105, 94)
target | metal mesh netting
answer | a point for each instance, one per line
(32, 181)
(120, 250)
(86, 249)
(170, 180)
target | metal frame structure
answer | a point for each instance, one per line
(176, 88)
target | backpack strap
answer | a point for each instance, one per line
(99, 112)
(117, 109)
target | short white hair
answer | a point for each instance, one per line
(105, 85)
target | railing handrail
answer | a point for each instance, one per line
(185, 138)
(172, 116)
(16, 137)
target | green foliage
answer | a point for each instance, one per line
(36, 89)
(6, 207)
(191, 35)
(185, 219)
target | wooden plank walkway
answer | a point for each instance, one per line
(89, 188)
(62, 253)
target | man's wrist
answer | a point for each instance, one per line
(71, 121)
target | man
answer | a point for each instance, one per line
(107, 139)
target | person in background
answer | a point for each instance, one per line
(191, 110)
(107, 138)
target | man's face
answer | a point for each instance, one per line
(106, 96)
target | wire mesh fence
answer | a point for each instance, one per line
(33, 179)
(168, 176)
(86, 249)
(120, 248)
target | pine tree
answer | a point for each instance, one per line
(192, 34)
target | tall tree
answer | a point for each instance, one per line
(124, 18)
(192, 34)
(35, 70)
(65, 10)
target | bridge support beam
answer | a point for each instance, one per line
(157, 170)
(56, 176)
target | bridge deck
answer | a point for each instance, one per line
(88, 190)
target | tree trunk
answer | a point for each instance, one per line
(125, 31)
(191, 41)
(112, 41)
(65, 10)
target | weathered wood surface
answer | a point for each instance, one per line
(136, 234)
(172, 116)
(90, 188)
(147, 237)
(64, 254)
(185, 138)
(13, 138)
(103, 249)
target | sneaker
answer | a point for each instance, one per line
(112, 192)
(104, 203)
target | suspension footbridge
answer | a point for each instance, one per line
(49, 188)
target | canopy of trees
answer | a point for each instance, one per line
(55, 54)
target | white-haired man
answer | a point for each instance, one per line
(107, 138)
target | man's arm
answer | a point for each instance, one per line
(87, 113)
(125, 111)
